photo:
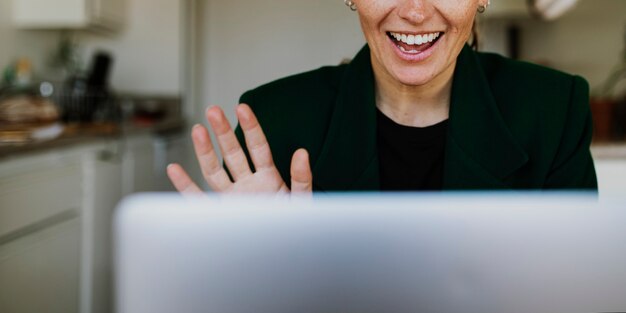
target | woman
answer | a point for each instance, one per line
(416, 109)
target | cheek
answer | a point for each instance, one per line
(372, 13)
(462, 19)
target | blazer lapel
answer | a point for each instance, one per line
(480, 150)
(349, 159)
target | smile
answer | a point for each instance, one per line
(412, 47)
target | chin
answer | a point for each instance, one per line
(413, 77)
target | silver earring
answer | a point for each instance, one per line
(483, 8)
(350, 4)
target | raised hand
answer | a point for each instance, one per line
(265, 179)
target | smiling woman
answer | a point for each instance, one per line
(416, 109)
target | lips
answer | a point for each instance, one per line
(414, 47)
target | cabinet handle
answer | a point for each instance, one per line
(43, 224)
(112, 154)
(106, 155)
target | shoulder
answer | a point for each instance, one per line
(307, 90)
(548, 112)
(511, 79)
(529, 94)
(297, 108)
(295, 112)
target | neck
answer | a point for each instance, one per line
(417, 106)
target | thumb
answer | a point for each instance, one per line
(301, 176)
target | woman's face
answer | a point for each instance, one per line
(415, 41)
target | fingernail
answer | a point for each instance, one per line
(211, 107)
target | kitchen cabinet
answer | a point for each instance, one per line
(40, 234)
(138, 164)
(39, 271)
(68, 14)
(102, 175)
(56, 210)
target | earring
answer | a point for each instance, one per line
(350, 4)
(483, 8)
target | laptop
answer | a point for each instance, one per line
(474, 252)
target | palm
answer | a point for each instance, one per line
(267, 181)
(266, 178)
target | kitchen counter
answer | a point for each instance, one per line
(609, 151)
(77, 134)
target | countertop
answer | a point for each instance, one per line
(609, 151)
(75, 134)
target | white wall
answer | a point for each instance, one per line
(147, 51)
(249, 42)
(35, 45)
(587, 41)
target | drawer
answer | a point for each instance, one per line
(39, 196)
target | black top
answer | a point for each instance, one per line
(410, 158)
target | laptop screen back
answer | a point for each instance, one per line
(372, 253)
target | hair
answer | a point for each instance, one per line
(474, 40)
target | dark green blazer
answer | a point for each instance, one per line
(512, 125)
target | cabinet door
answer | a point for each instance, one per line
(102, 193)
(73, 14)
(39, 272)
(107, 12)
(50, 13)
(41, 189)
(138, 164)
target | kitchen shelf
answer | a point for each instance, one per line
(68, 14)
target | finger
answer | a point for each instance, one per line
(210, 165)
(255, 138)
(301, 176)
(233, 155)
(181, 180)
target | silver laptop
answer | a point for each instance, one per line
(526, 253)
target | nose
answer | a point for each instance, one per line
(414, 11)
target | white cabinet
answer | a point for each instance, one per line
(39, 271)
(56, 212)
(102, 175)
(40, 234)
(68, 14)
(138, 164)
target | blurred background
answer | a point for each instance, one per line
(98, 96)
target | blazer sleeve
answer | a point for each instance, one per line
(573, 166)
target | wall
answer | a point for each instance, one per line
(586, 41)
(147, 51)
(246, 43)
(249, 42)
(35, 45)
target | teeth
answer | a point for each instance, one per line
(415, 39)
(419, 40)
(407, 51)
